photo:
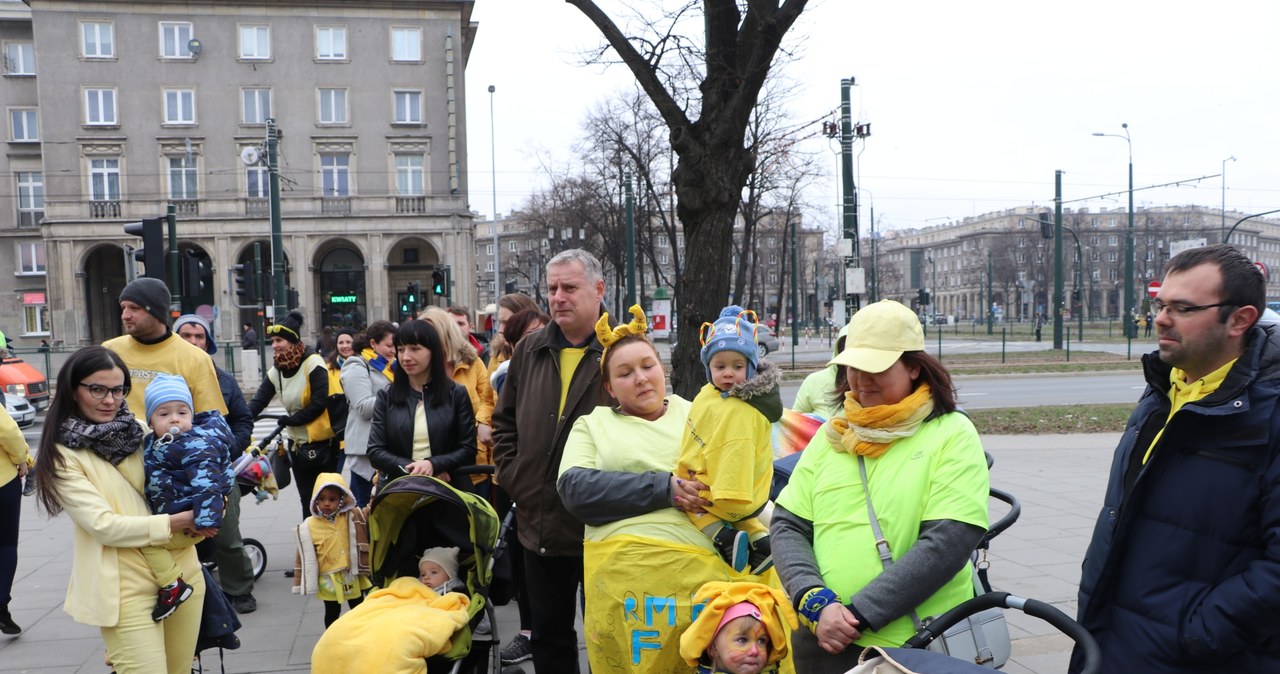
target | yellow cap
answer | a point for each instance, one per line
(878, 336)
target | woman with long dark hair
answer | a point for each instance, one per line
(422, 422)
(91, 467)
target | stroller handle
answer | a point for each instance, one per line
(1032, 607)
(475, 469)
(270, 436)
(1015, 511)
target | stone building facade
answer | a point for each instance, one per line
(138, 105)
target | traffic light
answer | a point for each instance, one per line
(292, 299)
(509, 287)
(437, 282)
(151, 254)
(197, 274)
(1046, 227)
(411, 297)
(922, 297)
(246, 276)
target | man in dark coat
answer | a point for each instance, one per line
(1183, 572)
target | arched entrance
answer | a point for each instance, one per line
(341, 283)
(102, 279)
(411, 260)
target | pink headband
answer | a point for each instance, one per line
(737, 611)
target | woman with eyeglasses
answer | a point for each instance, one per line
(91, 468)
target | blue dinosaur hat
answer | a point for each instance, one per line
(735, 330)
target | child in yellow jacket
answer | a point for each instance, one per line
(333, 548)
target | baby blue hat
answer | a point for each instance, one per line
(166, 388)
(735, 330)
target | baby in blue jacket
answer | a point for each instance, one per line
(188, 467)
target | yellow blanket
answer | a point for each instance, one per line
(640, 599)
(406, 623)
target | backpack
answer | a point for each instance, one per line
(218, 619)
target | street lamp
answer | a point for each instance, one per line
(1222, 231)
(873, 287)
(1129, 326)
(493, 169)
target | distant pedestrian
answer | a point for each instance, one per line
(248, 338)
(44, 346)
(1149, 320)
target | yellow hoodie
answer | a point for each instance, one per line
(778, 616)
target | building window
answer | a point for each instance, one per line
(773, 278)
(182, 179)
(409, 175)
(333, 106)
(513, 246)
(24, 125)
(406, 44)
(662, 240)
(97, 40)
(1021, 258)
(1113, 256)
(488, 250)
(335, 174)
(19, 58)
(174, 38)
(179, 106)
(256, 184)
(331, 43)
(35, 317)
(104, 179)
(255, 43)
(663, 259)
(530, 247)
(30, 198)
(408, 107)
(255, 105)
(31, 258)
(100, 107)
(1112, 240)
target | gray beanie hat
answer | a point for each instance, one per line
(150, 294)
(210, 346)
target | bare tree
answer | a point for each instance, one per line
(705, 89)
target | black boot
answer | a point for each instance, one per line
(7, 626)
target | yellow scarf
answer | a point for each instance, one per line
(870, 431)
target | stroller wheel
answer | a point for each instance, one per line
(257, 556)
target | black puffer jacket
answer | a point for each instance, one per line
(1183, 572)
(450, 427)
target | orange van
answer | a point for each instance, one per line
(19, 378)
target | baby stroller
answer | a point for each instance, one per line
(415, 512)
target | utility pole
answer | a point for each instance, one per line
(281, 296)
(795, 287)
(850, 201)
(991, 310)
(1059, 304)
(175, 271)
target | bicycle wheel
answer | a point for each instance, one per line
(257, 556)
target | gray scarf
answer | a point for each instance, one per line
(114, 440)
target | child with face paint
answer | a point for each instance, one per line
(743, 628)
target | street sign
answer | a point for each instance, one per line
(1153, 288)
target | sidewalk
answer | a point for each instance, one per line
(1059, 479)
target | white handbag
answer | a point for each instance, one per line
(982, 638)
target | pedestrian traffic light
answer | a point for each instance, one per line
(292, 299)
(437, 282)
(509, 287)
(151, 254)
(1046, 227)
(411, 297)
(922, 297)
(246, 278)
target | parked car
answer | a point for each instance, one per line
(20, 379)
(766, 340)
(20, 409)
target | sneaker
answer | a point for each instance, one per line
(29, 486)
(733, 546)
(760, 558)
(244, 603)
(170, 598)
(519, 650)
(7, 626)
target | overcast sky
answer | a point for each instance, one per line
(973, 105)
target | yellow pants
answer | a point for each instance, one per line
(139, 645)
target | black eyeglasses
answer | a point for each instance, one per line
(98, 391)
(1186, 309)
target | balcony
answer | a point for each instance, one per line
(186, 208)
(416, 204)
(257, 207)
(101, 210)
(335, 206)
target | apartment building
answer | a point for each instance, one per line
(1007, 252)
(118, 109)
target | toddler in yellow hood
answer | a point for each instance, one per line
(333, 548)
(743, 628)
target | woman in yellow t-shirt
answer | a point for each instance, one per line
(926, 476)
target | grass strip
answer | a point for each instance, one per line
(1052, 419)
